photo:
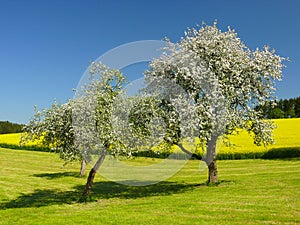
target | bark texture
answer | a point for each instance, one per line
(213, 172)
(90, 180)
(82, 169)
(211, 161)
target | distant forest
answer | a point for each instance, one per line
(284, 108)
(7, 127)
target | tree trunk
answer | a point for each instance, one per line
(211, 161)
(213, 172)
(82, 169)
(92, 174)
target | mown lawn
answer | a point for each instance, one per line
(36, 189)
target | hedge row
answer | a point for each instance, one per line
(29, 147)
(275, 153)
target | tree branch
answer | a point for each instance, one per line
(188, 152)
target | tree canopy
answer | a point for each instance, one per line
(226, 81)
(206, 86)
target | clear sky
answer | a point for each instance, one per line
(45, 46)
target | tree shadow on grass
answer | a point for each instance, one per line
(100, 190)
(51, 176)
(106, 190)
(41, 198)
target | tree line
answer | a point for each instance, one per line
(7, 127)
(283, 108)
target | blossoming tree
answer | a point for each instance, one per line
(225, 80)
(52, 128)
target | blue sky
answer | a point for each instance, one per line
(45, 46)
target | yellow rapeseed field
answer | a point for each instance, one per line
(14, 139)
(287, 134)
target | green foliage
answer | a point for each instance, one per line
(7, 127)
(273, 153)
(281, 153)
(26, 147)
(283, 108)
(276, 113)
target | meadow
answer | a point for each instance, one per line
(36, 189)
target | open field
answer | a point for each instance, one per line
(36, 189)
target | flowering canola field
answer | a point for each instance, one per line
(14, 139)
(286, 135)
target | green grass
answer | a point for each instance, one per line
(36, 189)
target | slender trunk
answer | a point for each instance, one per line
(92, 174)
(82, 169)
(211, 160)
(213, 172)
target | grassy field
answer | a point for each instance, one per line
(36, 189)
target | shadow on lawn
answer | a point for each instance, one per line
(100, 190)
(57, 175)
